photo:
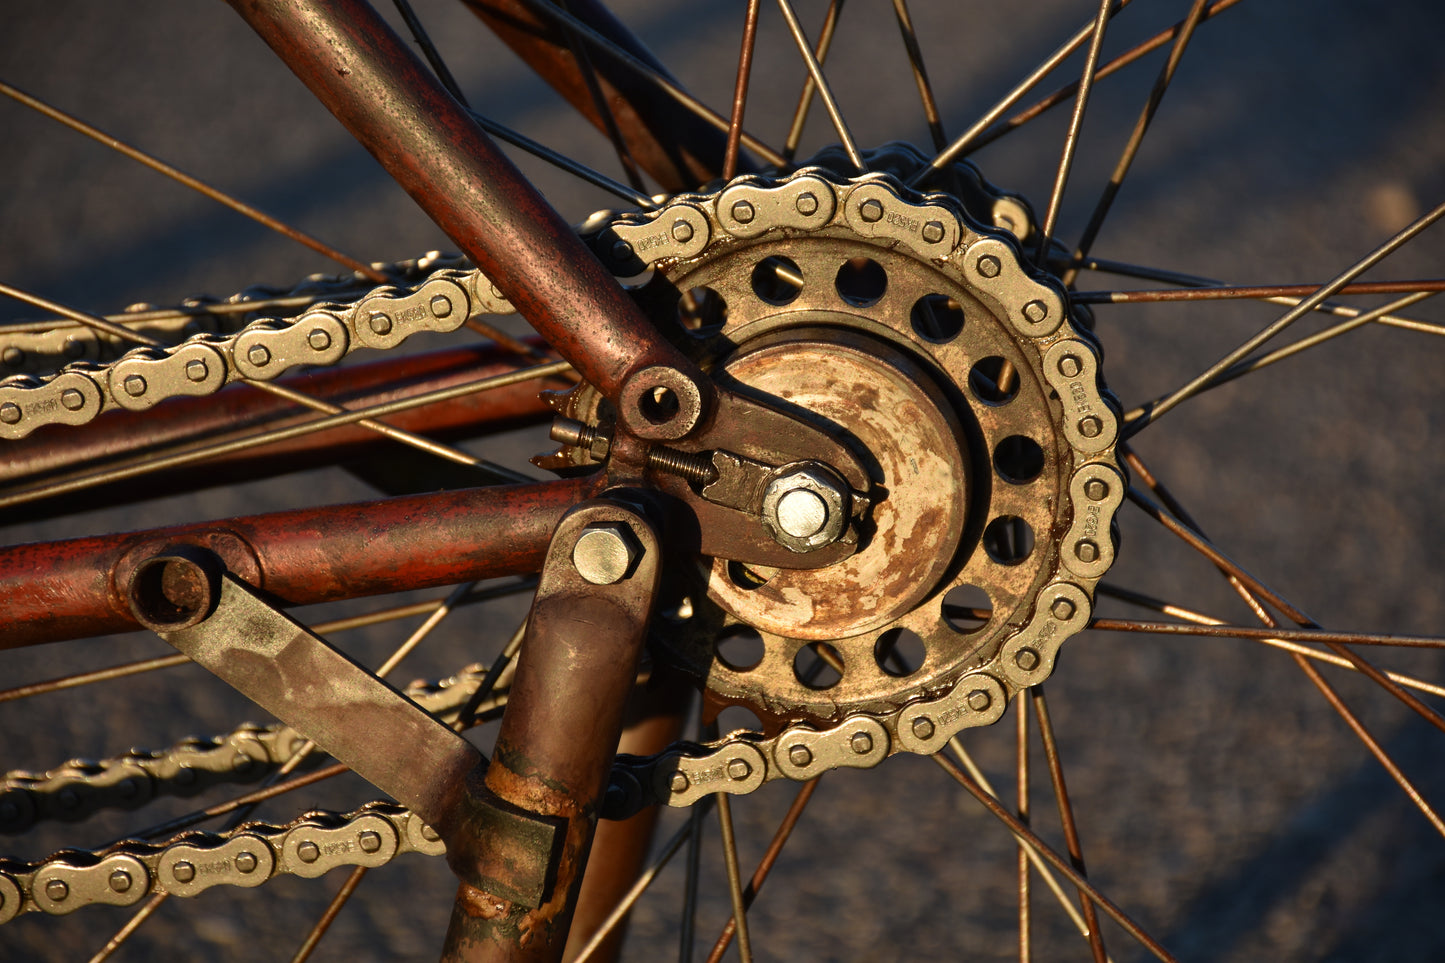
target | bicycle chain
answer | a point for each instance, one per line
(190, 863)
(875, 206)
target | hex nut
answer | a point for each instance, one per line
(805, 506)
(606, 553)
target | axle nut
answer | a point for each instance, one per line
(805, 506)
(606, 553)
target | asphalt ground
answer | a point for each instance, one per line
(1221, 801)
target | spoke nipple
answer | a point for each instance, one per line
(681, 231)
(370, 841)
(743, 212)
(738, 770)
(57, 890)
(800, 756)
(989, 266)
(933, 232)
(871, 211)
(1096, 489)
(14, 357)
(120, 881)
(441, 306)
(183, 871)
(258, 355)
(134, 385)
(862, 743)
(679, 782)
(318, 339)
(1086, 551)
(1090, 426)
(10, 413)
(923, 727)
(1036, 311)
(196, 370)
(1062, 609)
(1026, 659)
(246, 862)
(72, 399)
(806, 204)
(606, 553)
(380, 323)
(979, 700)
(1070, 366)
(308, 852)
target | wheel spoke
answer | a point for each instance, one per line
(1076, 123)
(1059, 862)
(920, 75)
(429, 50)
(1021, 776)
(1199, 382)
(1066, 92)
(688, 926)
(740, 90)
(180, 177)
(1066, 816)
(765, 865)
(815, 71)
(735, 880)
(603, 108)
(1255, 292)
(805, 98)
(970, 138)
(562, 162)
(313, 938)
(131, 925)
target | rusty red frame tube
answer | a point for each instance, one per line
(382, 93)
(77, 588)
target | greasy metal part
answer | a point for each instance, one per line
(560, 729)
(671, 144)
(369, 79)
(76, 588)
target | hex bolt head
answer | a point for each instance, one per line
(10, 413)
(196, 370)
(1070, 366)
(979, 700)
(989, 266)
(1096, 489)
(57, 890)
(679, 782)
(681, 231)
(370, 841)
(1086, 551)
(606, 553)
(923, 727)
(802, 513)
(1026, 659)
(806, 204)
(379, 323)
(14, 357)
(933, 232)
(800, 756)
(72, 399)
(743, 212)
(861, 743)
(738, 770)
(258, 355)
(871, 211)
(120, 881)
(134, 385)
(308, 852)
(246, 862)
(1090, 426)
(1062, 609)
(319, 339)
(183, 871)
(441, 306)
(1036, 311)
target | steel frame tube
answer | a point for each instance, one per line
(371, 81)
(77, 588)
